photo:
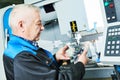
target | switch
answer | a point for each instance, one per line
(106, 3)
(111, 5)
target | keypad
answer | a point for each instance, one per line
(112, 46)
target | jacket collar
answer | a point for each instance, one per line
(17, 44)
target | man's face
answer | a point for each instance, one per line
(33, 27)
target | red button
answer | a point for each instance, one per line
(111, 5)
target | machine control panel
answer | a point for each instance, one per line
(112, 46)
(110, 11)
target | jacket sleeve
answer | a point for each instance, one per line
(78, 71)
(29, 67)
(72, 72)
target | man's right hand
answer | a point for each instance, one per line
(82, 57)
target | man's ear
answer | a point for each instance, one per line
(20, 25)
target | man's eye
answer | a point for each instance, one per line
(39, 24)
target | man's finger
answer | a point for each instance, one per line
(65, 47)
(84, 52)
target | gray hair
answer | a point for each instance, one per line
(20, 9)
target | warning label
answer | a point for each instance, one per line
(73, 26)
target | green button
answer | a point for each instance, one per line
(106, 3)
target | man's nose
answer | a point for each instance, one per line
(42, 28)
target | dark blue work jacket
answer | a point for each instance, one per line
(24, 61)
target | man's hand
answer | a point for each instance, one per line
(61, 54)
(82, 57)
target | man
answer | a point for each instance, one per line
(23, 60)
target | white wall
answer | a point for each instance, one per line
(2, 43)
(2, 73)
